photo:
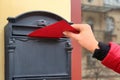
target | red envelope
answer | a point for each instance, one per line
(53, 31)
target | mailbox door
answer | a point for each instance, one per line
(35, 58)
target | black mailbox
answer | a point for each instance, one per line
(29, 58)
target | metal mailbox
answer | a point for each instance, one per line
(29, 58)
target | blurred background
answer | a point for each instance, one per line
(102, 15)
(104, 18)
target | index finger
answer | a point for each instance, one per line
(79, 27)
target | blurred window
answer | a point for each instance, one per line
(109, 24)
(90, 0)
(90, 21)
(117, 0)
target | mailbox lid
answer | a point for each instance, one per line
(26, 23)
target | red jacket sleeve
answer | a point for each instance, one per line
(112, 60)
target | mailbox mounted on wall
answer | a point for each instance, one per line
(28, 58)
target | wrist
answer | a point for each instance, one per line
(95, 46)
(101, 53)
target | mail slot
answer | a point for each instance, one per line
(28, 58)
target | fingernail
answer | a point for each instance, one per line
(64, 33)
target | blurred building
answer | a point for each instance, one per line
(103, 16)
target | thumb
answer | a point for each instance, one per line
(70, 34)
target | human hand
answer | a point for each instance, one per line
(85, 37)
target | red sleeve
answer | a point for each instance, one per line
(112, 60)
